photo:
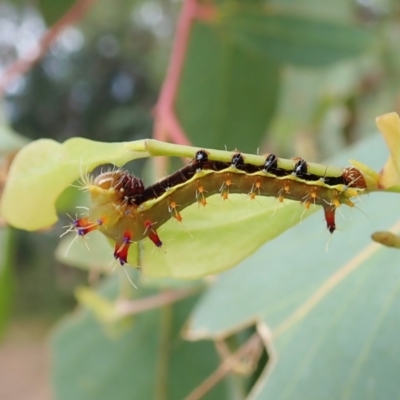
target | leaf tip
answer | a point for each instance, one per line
(387, 239)
(389, 126)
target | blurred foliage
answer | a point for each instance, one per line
(89, 85)
(152, 350)
(6, 281)
(294, 77)
(53, 10)
(92, 85)
(249, 45)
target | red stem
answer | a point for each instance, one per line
(167, 125)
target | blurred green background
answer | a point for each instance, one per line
(296, 78)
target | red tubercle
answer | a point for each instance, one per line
(329, 212)
(121, 250)
(152, 233)
(84, 225)
(121, 253)
(153, 236)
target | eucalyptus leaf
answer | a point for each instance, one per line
(219, 235)
(292, 39)
(227, 94)
(331, 305)
(43, 169)
(143, 362)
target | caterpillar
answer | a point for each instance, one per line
(126, 211)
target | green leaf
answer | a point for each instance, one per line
(293, 39)
(45, 168)
(338, 10)
(219, 227)
(333, 314)
(145, 362)
(227, 94)
(389, 125)
(218, 236)
(42, 170)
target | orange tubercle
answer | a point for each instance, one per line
(287, 187)
(175, 213)
(200, 196)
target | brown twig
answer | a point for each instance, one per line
(23, 65)
(225, 367)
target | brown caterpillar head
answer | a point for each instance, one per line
(114, 195)
(354, 178)
(120, 184)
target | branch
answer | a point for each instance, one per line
(166, 124)
(229, 363)
(127, 307)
